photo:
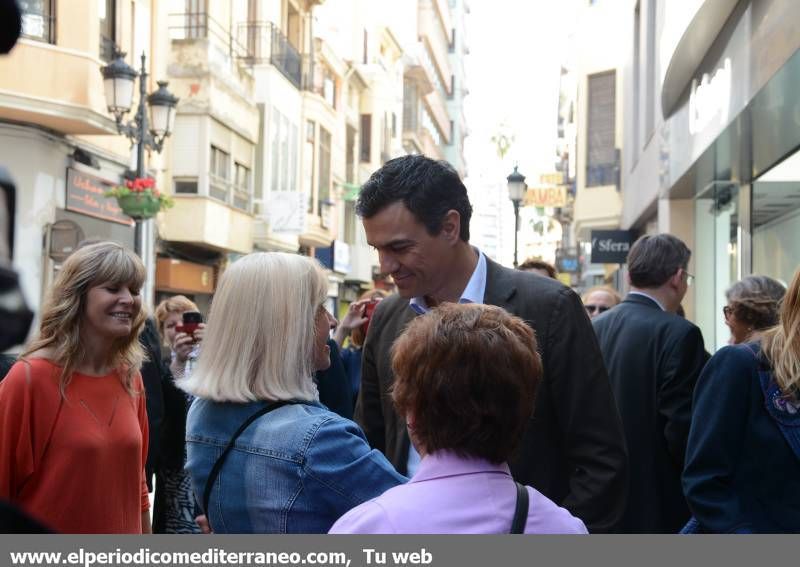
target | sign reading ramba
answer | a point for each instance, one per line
(611, 246)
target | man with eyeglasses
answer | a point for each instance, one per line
(653, 358)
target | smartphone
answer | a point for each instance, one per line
(191, 321)
(369, 309)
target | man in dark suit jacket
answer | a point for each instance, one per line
(416, 214)
(653, 358)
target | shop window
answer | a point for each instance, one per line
(776, 220)
(38, 20)
(718, 252)
(601, 154)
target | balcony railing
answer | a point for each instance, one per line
(199, 25)
(265, 43)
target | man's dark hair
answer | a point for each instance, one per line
(538, 265)
(655, 259)
(427, 187)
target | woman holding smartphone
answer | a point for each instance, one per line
(174, 507)
(355, 324)
(264, 454)
(73, 423)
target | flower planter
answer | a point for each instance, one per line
(139, 205)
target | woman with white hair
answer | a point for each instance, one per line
(264, 455)
(73, 420)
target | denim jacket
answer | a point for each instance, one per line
(296, 469)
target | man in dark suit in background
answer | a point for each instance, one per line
(416, 214)
(653, 358)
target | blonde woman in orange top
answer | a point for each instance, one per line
(73, 423)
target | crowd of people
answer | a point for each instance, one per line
(483, 399)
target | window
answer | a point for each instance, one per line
(350, 155)
(186, 186)
(108, 15)
(452, 46)
(309, 164)
(324, 177)
(650, 75)
(366, 138)
(637, 77)
(410, 105)
(601, 154)
(366, 48)
(219, 175)
(283, 139)
(241, 182)
(38, 20)
(452, 92)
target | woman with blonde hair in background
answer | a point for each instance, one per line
(265, 456)
(73, 423)
(742, 472)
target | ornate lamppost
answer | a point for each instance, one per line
(516, 192)
(118, 80)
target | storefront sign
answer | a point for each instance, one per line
(184, 277)
(555, 178)
(546, 196)
(569, 263)
(85, 196)
(287, 212)
(341, 256)
(710, 98)
(611, 246)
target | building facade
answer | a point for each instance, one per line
(712, 139)
(594, 71)
(57, 139)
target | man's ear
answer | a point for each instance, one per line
(675, 280)
(451, 226)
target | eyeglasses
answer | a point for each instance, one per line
(727, 311)
(599, 308)
(689, 278)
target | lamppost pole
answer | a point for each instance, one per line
(516, 230)
(141, 120)
(516, 192)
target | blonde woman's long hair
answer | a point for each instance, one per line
(781, 343)
(259, 342)
(65, 305)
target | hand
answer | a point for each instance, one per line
(355, 315)
(182, 346)
(199, 333)
(354, 318)
(202, 521)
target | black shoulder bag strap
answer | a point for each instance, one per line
(521, 511)
(212, 476)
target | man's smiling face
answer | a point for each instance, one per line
(416, 260)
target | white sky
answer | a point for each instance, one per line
(516, 51)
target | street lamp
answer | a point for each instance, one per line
(118, 79)
(516, 192)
